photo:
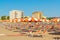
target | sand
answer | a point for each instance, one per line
(4, 32)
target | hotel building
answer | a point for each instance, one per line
(37, 15)
(16, 14)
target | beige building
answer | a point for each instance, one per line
(16, 14)
(37, 15)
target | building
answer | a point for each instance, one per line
(16, 14)
(37, 15)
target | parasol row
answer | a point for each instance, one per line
(31, 20)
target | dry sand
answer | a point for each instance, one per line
(5, 31)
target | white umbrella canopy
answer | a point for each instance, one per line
(45, 20)
(14, 20)
(32, 19)
(55, 20)
(36, 19)
(17, 20)
(29, 19)
(25, 20)
(58, 20)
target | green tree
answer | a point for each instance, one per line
(49, 18)
(3, 17)
(8, 17)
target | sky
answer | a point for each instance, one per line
(49, 8)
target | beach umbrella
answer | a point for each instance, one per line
(26, 20)
(21, 20)
(45, 20)
(29, 19)
(12, 20)
(55, 20)
(36, 20)
(7, 20)
(39, 20)
(32, 19)
(48, 20)
(16, 20)
(58, 20)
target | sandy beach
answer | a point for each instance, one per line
(4, 32)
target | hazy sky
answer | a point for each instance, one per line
(47, 7)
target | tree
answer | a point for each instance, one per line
(8, 17)
(3, 17)
(49, 18)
